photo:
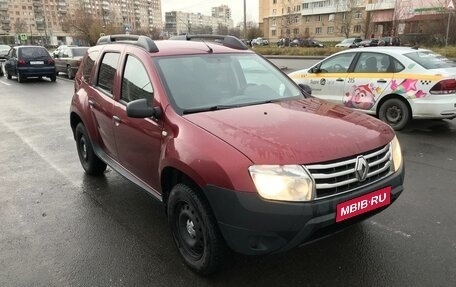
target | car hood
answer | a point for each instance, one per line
(295, 132)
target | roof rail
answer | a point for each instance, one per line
(139, 40)
(225, 40)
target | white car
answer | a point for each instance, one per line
(394, 83)
(349, 43)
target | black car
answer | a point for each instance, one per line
(389, 41)
(29, 61)
(368, 43)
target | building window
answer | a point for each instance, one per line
(296, 19)
(358, 15)
(305, 6)
(318, 30)
(319, 18)
(274, 22)
(330, 30)
(307, 19)
(273, 33)
(357, 29)
(307, 31)
(331, 17)
(274, 11)
(295, 31)
(274, 1)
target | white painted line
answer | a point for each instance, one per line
(4, 83)
(389, 229)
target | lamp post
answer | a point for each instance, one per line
(245, 21)
(450, 8)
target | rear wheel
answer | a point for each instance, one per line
(194, 229)
(8, 75)
(395, 112)
(20, 78)
(91, 163)
(53, 78)
(70, 72)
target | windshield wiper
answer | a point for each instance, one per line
(208, 109)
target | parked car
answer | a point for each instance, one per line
(311, 43)
(368, 43)
(224, 155)
(68, 60)
(29, 61)
(259, 42)
(4, 49)
(61, 47)
(389, 41)
(349, 43)
(394, 83)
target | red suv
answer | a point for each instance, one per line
(240, 156)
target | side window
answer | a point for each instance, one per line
(64, 53)
(135, 81)
(397, 66)
(337, 64)
(107, 71)
(88, 63)
(372, 63)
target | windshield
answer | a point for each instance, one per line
(430, 60)
(217, 81)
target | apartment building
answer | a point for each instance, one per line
(333, 20)
(44, 20)
(178, 22)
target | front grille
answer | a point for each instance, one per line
(338, 177)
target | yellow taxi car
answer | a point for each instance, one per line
(394, 83)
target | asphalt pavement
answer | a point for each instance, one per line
(60, 227)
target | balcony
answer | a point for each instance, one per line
(6, 21)
(37, 4)
(3, 7)
(387, 5)
(6, 28)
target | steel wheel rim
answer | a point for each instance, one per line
(83, 149)
(189, 231)
(393, 114)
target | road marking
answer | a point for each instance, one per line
(5, 83)
(401, 233)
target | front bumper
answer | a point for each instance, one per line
(254, 226)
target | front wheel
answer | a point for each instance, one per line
(91, 163)
(195, 231)
(395, 112)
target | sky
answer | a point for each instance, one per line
(204, 7)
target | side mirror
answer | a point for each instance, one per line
(141, 109)
(315, 70)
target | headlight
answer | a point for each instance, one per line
(397, 154)
(283, 182)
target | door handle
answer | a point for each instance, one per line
(116, 120)
(340, 80)
(381, 81)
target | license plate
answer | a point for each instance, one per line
(36, 62)
(362, 204)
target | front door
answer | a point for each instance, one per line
(138, 140)
(328, 79)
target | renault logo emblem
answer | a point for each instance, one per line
(361, 168)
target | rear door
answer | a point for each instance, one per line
(368, 80)
(101, 101)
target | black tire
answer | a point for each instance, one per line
(194, 230)
(91, 163)
(8, 75)
(20, 78)
(70, 72)
(395, 112)
(53, 78)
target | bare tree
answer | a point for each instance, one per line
(20, 26)
(350, 18)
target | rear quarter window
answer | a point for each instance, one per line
(87, 64)
(107, 71)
